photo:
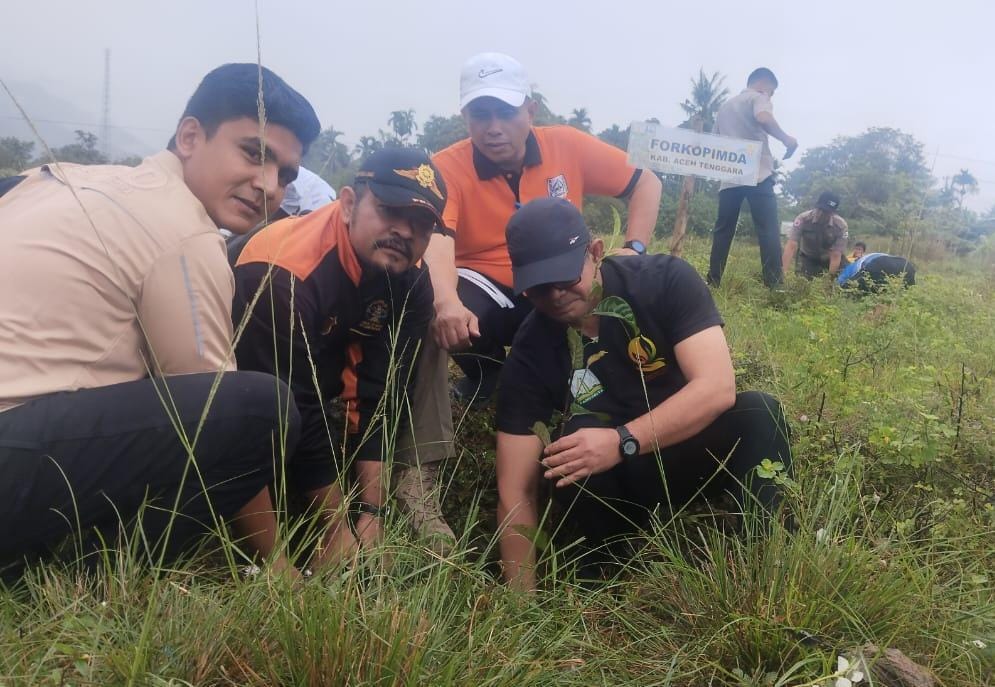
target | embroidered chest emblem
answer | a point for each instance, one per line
(375, 317)
(557, 186)
(585, 385)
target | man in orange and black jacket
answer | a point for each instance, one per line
(343, 304)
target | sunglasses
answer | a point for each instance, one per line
(541, 290)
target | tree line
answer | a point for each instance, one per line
(887, 188)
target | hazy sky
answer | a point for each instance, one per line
(843, 66)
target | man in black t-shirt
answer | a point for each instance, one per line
(631, 351)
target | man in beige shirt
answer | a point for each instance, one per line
(117, 386)
(750, 115)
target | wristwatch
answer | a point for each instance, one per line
(370, 509)
(628, 445)
(635, 245)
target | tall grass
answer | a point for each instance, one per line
(894, 546)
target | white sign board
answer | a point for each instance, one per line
(670, 150)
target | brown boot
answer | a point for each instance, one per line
(417, 494)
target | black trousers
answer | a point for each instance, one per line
(876, 274)
(497, 328)
(618, 502)
(85, 462)
(763, 208)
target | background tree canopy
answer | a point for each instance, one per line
(882, 175)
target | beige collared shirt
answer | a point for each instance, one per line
(125, 278)
(738, 118)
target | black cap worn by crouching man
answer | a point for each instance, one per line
(405, 177)
(547, 240)
(398, 177)
(828, 201)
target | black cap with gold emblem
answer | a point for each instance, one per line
(405, 177)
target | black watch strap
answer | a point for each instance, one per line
(628, 445)
(635, 245)
(370, 509)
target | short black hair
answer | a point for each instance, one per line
(231, 91)
(861, 244)
(761, 74)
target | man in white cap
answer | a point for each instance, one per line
(305, 194)
(505, 163)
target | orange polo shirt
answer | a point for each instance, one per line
(560, 161)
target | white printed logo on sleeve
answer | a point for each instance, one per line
(584, 385)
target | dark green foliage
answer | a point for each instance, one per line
(15, 155)
(441, 132)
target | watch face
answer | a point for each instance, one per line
(637, 246)
(629, 447)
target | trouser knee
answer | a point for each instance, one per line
(268, 410)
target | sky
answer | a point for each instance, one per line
(843, 66)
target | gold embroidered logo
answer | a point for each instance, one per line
(375, 317)
(424, 175)
(642, 351)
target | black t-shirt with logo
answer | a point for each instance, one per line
(624, 373)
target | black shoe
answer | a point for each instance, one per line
(477, 393)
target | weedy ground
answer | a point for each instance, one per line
(892, 408)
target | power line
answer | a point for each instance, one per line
(966, 159)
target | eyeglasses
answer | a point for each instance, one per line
(542, 290)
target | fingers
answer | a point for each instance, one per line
(574, 478)
(563, 444)
(454, 333)
(568, 473)
(439, 334)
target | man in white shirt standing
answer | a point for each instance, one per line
(750, 115)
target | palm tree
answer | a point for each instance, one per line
(544, 116)
(367, 146)
(403, 124)
(707, 96)
(962, 184)
(579, 119)
(328, 153)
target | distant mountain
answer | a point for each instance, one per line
(57, 121)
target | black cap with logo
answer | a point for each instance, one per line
(405, 177)
(828, 201)
(547, 241)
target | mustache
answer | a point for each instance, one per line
(398, 245)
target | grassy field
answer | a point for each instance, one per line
(892, 407)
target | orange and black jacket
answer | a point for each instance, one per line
(317, 306)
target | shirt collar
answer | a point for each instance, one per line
(487, 169)
(169, 162)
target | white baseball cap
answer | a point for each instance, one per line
(493, 74)
(306, 193)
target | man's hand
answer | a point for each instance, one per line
(790, 146)
(581, 454)
(453, 325)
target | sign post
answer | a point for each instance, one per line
(691, 153)
(684, 202)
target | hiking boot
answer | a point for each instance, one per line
(417, 494)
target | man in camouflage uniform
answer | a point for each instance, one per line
(818, 237)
